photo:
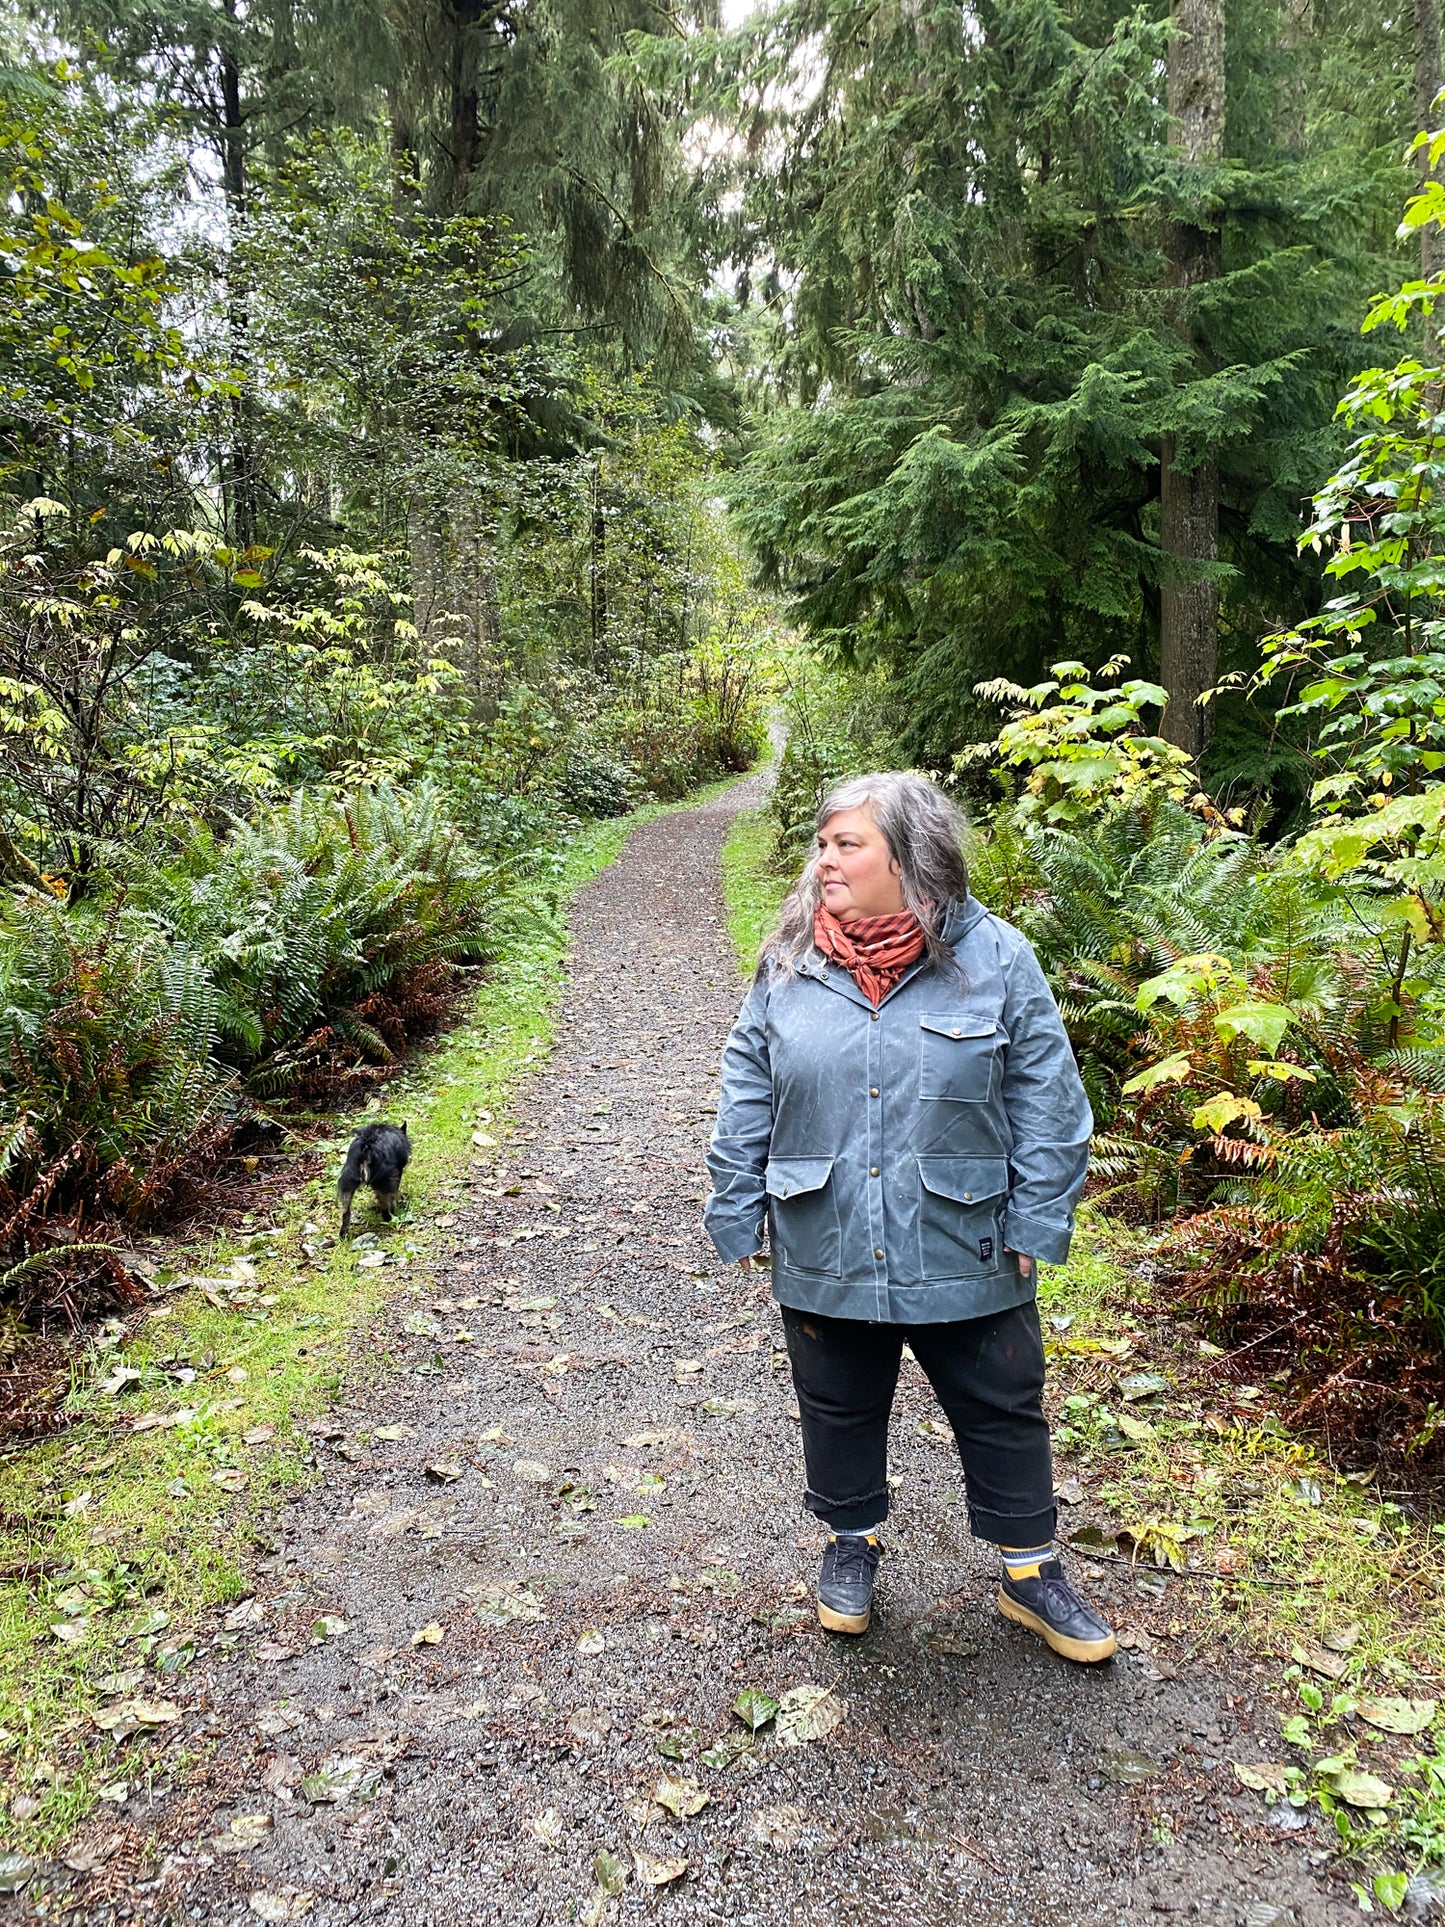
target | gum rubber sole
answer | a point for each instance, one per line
(1087, 1651)
(843, 1622)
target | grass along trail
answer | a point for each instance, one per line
(538, 1643)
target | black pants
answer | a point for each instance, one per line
(988, 1374)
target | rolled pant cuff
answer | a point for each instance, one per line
(1007, 1529)
(848, 1515)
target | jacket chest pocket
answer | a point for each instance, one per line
(960, 1056)
(803, 1208)
(960, 1215)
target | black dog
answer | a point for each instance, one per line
(378, 1155)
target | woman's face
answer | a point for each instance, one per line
(857, 871)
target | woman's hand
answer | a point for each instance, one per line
(1026, 1263)
(751, 1264)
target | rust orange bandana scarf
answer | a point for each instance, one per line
(875, 950)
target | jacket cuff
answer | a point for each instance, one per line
(1037, 1237)
(734, 1239)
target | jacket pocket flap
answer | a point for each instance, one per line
(965, 1180)
(786, 1177)
(959, 1023)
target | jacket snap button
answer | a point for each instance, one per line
(958, 1033)
(874, 1091)
(879, 1252)
(787, 1190)
(875, 1016)
(968, 1197)
(873, 1170)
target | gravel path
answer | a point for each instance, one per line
(616, 1375)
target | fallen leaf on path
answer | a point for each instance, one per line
(755, 1708)
(16, 1869)
(589, 1727)
(1360, 1789)
(393, 1434)
(431, 1635)
(653, 1872)
(682, 1798)
(1162, 1540)
(91, 1859)
(1069, 1492)
(1345, 1640)
(1397, 1715)
(496, 1605)
(445, 1471)
(293, 1906)
(258, 1434)
(229, 1479)
(591, 1643)
(1122, 1766)
(944, 1639)
(1262, 1776)
(641, 1440)
(1327, 1665)
(548, 1826)
(247, 1830)
(128, 1716)
(780, 1828)
(1138, 1385)
(328, 1626)
(340, 1779)
(807, 1714)
(635, 1521)
(250, 1612)
(115, 1685)
(609, 1871)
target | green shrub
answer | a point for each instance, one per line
(292, 959)
(329, 928)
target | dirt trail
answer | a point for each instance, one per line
(973, 1775)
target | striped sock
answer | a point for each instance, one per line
(1023, 1562)
(856, 1532)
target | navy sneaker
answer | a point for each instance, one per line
(1050, 1607)
(845, 1585)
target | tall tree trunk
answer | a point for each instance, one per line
(1428, 82)
(465, 131)
(1189, 498)
(598, 548)
(401, 145)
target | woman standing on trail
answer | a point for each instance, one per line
(901, 1107)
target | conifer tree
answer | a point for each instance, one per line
(972, 232)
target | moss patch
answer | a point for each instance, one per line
(753, 889)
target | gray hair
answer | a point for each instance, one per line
(924, 831)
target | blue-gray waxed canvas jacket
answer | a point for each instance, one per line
(895, 1153)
